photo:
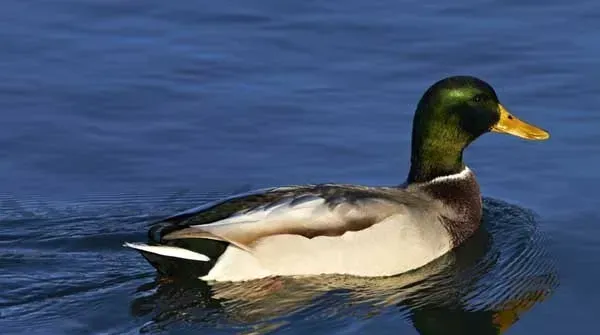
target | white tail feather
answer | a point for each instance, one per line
(165, 250)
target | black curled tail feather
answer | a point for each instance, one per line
(160, 229)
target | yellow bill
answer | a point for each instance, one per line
(509, 124)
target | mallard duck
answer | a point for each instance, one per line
(348, 229)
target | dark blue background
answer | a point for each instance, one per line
(117, 112)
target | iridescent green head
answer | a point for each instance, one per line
(451, 114)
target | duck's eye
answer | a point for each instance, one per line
(479, 98)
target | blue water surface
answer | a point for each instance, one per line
(118, 113)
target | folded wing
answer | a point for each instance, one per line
(328, 212)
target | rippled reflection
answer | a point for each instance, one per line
(483, 287)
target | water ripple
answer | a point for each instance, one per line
(62, 256)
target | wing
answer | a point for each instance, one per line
(321, 210)
(214, 211)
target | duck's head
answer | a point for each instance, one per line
(451, 114)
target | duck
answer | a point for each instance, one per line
(354, 230)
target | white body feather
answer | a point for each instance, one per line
(169, 251)
(390, 247)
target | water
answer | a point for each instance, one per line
(117, 114)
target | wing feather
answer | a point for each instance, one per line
(307, 215)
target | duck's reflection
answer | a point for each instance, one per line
(483, 287)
